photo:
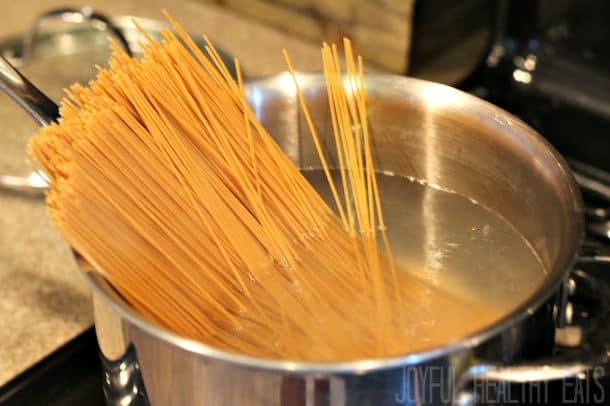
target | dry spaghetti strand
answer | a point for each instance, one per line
(163, 177)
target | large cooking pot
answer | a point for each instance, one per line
(451, 139)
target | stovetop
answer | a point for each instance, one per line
(70, 376)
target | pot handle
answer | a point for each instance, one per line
(71, 15)
(39, 107)
(579, 362)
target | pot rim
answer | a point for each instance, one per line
(102, 288)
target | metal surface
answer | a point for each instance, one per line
(42, 109)
(593, 181)
(523, 374)
(420, 129)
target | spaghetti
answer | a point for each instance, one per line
(164, 179)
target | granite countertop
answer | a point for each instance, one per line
(43, 299)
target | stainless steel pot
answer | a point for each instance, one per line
(450, 138)
(433, 132)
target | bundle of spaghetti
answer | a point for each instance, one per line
(163, 178)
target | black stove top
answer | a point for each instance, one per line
(70, 376)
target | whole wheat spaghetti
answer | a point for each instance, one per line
(164, 179)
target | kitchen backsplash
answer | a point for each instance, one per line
(380, 29)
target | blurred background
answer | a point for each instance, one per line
(398, 36)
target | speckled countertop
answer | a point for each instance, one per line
(43, 299)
